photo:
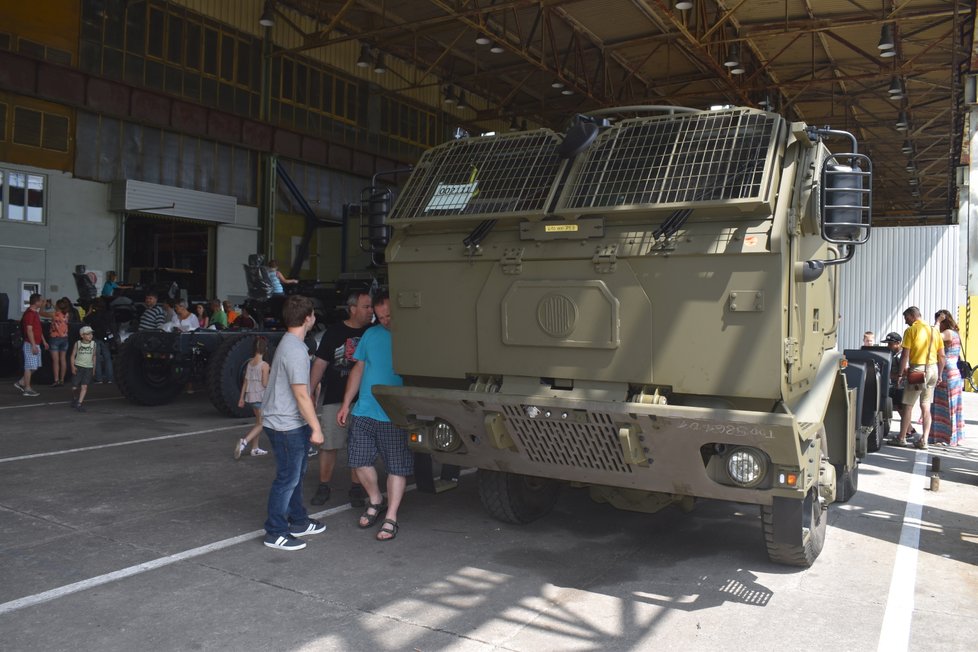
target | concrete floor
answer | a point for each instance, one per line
(131, 528)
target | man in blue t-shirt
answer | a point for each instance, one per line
(371, 431)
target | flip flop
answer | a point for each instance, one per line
(389, 527)
(379, 509)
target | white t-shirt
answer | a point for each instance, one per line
(189, 324)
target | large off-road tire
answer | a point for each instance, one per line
(515, 498)
(875, 441)
(225, 374)
(147, 381)
(794, 530)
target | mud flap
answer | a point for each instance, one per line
(786, 514)
(424, 475)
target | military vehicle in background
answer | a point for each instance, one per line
(645, 305)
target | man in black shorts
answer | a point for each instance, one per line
(332, 365)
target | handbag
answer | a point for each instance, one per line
(918, 377)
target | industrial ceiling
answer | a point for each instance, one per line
(889, 71)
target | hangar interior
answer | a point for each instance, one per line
(203, 96)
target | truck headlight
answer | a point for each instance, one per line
(746, 466)
(444, 437)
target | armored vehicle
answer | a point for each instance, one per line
(645, 305)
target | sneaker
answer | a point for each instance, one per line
(80, 408)
(357, 495)
(284, 542)
(74, 403)
(239, 447)
(322, 494)
(314, 527)
(258, 451)
(20, 387)
(30, 392)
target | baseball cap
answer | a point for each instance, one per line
(893, 337)
(84, 329)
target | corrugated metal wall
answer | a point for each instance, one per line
(899, 267)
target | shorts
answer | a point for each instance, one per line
(83, 376)
(56, 344)
(369, 436)
(334, 435)
(925, 392)
(32, 361)
(254, 406)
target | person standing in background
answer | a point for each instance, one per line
(30, 328)
(948, 411)
(923, 351)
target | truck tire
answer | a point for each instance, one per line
(225, 374)
(515, 498)
(147, 381)
(875, 441)
(794, 530)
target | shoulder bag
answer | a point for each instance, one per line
(918, 377)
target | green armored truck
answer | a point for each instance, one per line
(645, 304)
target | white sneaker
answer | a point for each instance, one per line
(239, 448)
(259, 451)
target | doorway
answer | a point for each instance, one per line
(161, 250)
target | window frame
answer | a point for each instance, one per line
(5, 206)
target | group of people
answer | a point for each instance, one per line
(927, 354)
(352, 357)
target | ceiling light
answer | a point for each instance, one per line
(911, 166)
(365, 60)
(513, 125)
(523, 126)
(462, 104)
(379, 66)
(557, 84)
(567, 91)
(733, 56)
(482, 39)
(896, 88)
(267, 15)
(450, 95)
(765, 102)
(886, 39)
(907, 147)
(738, 69)
(496, 48)
(684, 5)
(902, 124)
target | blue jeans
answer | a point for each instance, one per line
(103, 366)
(285, 498)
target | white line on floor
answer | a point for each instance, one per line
(68, 589)
(45, 404)
(65, 451)
(895, 631)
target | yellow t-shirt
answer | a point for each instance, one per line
(915, 339)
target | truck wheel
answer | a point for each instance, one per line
(147, 381)
(794, 530)
(875, 441)
(846, 481)
(225, 374)
(515, 498)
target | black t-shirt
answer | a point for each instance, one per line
(336, 348)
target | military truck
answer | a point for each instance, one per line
(645, 305)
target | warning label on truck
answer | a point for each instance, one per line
(452, 196)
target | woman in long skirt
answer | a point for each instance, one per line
(947, 427)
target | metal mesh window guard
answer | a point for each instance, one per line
(483, 177)
(715, 156)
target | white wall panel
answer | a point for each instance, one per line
(899, 267)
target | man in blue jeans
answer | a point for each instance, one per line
(291, 423)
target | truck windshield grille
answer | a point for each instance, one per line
(715, 156)
(510, 174)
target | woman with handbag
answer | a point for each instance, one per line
(948, 415)
(923, 356)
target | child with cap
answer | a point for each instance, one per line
(83, 357)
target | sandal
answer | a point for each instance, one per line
(379, 509)
(389, 527)
(920, 444)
